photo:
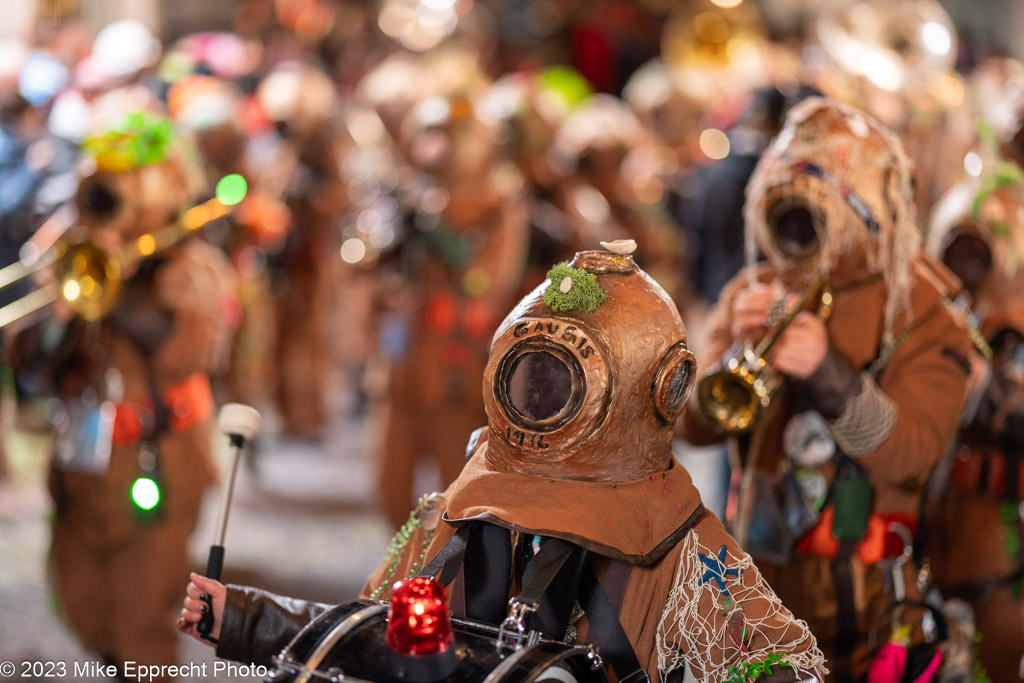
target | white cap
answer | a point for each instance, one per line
(123, 48)
(237, 419)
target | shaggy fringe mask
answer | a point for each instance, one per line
(856, 156)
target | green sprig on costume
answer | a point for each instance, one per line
(749, 671)
(977, 668)
(396, 548)
(1006, 173)
(138, 139)
(566, 84)
(573, 289)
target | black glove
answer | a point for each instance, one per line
(832, 386)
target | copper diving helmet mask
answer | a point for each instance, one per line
(587, 383)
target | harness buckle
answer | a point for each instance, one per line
(512, 631)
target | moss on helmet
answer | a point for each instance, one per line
(573, 289)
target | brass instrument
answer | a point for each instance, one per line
(88, 277)
(735, 396)
(907, 47)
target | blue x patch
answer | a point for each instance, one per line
(717, 571)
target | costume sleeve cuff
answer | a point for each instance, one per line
(231, 643)
(257, 625)
(867, 421)
(832, 386)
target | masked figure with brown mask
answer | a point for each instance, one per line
(584, 382)
(838, 424)
(973, 521)
(130, 362)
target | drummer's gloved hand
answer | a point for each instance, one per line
(195, 607)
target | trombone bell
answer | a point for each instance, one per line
(90, 280)
(735, 397)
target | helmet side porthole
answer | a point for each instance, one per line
(673, 382)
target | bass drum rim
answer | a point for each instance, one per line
(532, 662)
(480, 659)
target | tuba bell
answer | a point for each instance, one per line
(735, 397)
(89, 279)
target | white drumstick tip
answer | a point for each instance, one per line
(238, 419)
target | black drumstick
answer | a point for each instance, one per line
(240, 423)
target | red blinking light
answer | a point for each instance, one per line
(418, 622)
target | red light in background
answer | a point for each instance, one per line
(418, 622)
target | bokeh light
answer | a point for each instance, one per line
(231, 189)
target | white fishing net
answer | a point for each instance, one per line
(867, 421)
(721, 616)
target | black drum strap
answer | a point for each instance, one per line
(542, 568)
(605, 625)
(551, 580)
(480, 555)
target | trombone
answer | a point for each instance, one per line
(735, 397)
(89, 278)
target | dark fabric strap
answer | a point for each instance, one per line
(487, 573)
(551, 580)
(161, 413)
(450, 558)
(480, 555)
(606, 627)
(614, 581)
(542, 568)
(846, 611)
(980, 590)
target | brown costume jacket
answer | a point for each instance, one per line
(925, 376)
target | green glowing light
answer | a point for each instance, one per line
(231, 189)
(145, 493)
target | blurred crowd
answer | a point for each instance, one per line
(382, 181)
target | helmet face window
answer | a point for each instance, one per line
(539, 385)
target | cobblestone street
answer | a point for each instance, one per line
(302, 524)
